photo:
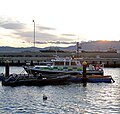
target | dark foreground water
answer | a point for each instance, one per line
(95, 98)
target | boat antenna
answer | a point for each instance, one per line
(56, 51)
(78, 47)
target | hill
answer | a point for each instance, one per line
(89, 46)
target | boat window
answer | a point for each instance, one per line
(59, 63)
(74, 67)
(37, 67)
(55, 67)
(67, 63)
(73, 63)
(65, 67)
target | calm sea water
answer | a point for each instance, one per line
(95, 98)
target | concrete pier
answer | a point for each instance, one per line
(19, 59)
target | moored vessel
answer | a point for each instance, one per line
(64, 66)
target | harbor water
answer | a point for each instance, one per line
(94, 98)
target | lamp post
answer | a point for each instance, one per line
(34, 34)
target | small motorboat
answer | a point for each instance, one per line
(28, 80)
(92, 79)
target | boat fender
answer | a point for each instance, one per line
(44, 97)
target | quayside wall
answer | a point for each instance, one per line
(19, 59)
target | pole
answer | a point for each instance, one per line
(34, 34)
(77, 44)
(84, 79)
(6, 68)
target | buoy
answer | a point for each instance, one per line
(44, 97)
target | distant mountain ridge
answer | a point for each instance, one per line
(89, 46)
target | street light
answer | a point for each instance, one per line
(34, 33)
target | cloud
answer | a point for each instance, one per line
(22, 31)
(13, 25)
(59, 42)
(37, 42)
(29, 34)
(45, 28)
(68, 34)
(46, 36)
(24, 34)
(9, 23)
(54, 42)
(40, 36)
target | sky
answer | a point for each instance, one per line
(58, 22)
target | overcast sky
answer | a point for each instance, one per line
(58, 22)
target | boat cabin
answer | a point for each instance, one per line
(66, 62)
